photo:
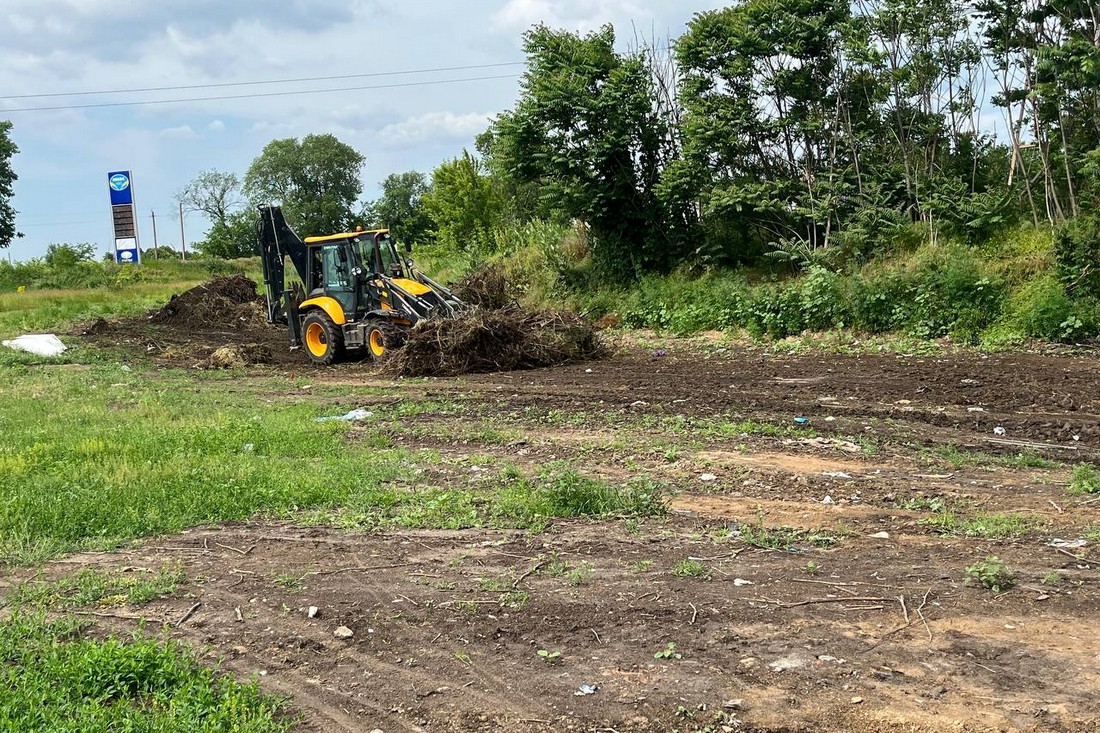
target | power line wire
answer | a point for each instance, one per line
(269, 81)
(139, 103)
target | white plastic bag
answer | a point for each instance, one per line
(40, 344)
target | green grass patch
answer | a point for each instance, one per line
(96, 456)
(52, 681)
(991, 526)
(785, 538)
(1085, 480)
(91, 587)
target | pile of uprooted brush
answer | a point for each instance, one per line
(495, 340)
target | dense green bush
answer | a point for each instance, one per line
(1077, 250)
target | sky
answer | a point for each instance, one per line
(399, 121)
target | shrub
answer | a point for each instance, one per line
(991, 573)
(1077, 252)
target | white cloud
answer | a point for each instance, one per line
(216, 126)
(517, 16)
(434, 126)
(183, 132)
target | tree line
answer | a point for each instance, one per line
(809, 131)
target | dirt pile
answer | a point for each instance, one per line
(220, 304)
(493, 341)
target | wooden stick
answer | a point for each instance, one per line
(234, 549)
(920, 613)
(534, 568)
(694, 614)
(363, 569)
(188, 615)
(868, 599)
(904, 610)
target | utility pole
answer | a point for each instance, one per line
(183, 239)
(153, 214)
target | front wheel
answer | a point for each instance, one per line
(382, 339)
(324, 340)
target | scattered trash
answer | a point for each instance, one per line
(999, 430)
(248, 447)
(741, 582)
(343, 632)
(1067, 544)
(708, 477)
(737, 704)
(39, 344)
(975, 409)
(828, 500)
(659, 353)
(836, 474)
(830, 418)
(880, 536)
(349, 417)
(587, 689)
(857, 700)
(313, 612)
(827, 658)
(125, 368)
(802, 420)
(587, 371)
(639, 403)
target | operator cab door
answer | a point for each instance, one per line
(333, 274)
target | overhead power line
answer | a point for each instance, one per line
(138, 103)
(222, 85)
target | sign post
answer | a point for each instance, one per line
(121, 187)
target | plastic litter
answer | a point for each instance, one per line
(1067, 544)
(708, 477)
(349, 417)
(828, 500)
(999, 430)
(741, 582)
(802, 420)
(836, 474)
(587, 689)
(659, 353)
(880, 536)
(39, 344)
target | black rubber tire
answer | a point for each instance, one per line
(391, 335)
(322, 339)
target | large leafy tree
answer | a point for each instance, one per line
(315, 179)
(7, 181)
(232, 230)
(464, 204)
(586, 131)
(400, 208)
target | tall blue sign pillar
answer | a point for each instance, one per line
(120, 184)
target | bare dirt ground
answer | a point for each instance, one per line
(862, 632)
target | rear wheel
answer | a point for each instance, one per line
(324, 341)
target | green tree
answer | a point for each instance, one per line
(315, 179)
(587, 132)
(7, 181)
(401, 207)
(464, 204)
(214, 193)
(234, 237)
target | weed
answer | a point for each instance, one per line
(290, 581)
(669, 652)
(90, 587)
(991, 573)
(632, 525)
(555, 566)
(691, 569)
(641, 566)
(490, 584)
(464, 658)
(467, 607)
(777, 538)
(993, 526)
(57, 681)
(812, 568)
(1085, 480)
(548, 656)
(515, 599)
(1052, 578)
(579, 575)
(935, 504)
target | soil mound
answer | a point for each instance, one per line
(222, 303)
(492, 341)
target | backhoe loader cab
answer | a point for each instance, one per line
(360, 293)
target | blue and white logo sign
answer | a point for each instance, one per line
(126, 251)
(122, 192)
